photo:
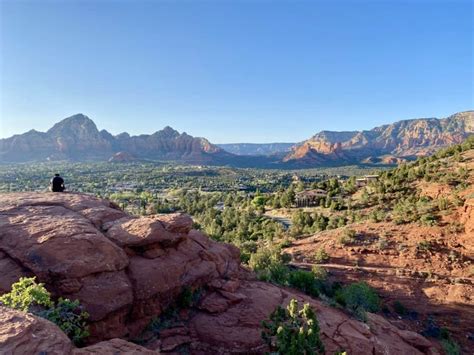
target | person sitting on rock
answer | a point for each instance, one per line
(57, 184)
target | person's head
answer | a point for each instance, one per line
(56, 174)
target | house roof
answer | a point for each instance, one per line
(311, 193)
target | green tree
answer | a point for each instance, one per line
(292, 331)
(359, 298)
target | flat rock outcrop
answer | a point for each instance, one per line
(127, 270)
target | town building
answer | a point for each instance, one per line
(361, 182)
(309, 198)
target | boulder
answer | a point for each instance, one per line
(177, 222)
(114, 347)
(22, 333)
(140, 232)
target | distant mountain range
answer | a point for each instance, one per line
(385, 144)
(257, 148)
(77, 138)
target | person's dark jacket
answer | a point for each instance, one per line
(57, 184)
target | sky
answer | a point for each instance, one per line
(233, 70)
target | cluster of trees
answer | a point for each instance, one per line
(357, 298)
(313, 222)
(238, 221)
(394, 196)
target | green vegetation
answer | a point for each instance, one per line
(269, 264)
(399, 308)
(348, 236)
(424, 246)
(320, 256)
(358, 298)
(307, 223)
(292, 331)
(28, 296)
(188, 298)
(70, 317)
(306, 282)
(450, 346)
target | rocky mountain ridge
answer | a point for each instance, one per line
(402, 139)
(77, 138)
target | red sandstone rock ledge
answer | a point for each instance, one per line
(126, 270)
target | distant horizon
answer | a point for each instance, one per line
(233, 71)
(218, 143)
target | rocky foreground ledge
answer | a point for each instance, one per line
(127, 270)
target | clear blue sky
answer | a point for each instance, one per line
(233, 71)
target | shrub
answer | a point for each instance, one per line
(269, 265)
(263, 258)
(292, 331)
(424, 246)
(458, 201)
(321, 256)
(285, 243)
(359, 298)
(399, 308)
(276, 273)
(377, 216)
(319, 272)
(25, 294)
(185, 298)
(455, 227)
(431, 329)
(70, 317)
(29, 296)
(428, 219)
(304, 281)
(443, 203)
(170, 315)
(450, 347)
(348, 236)
(382, 243)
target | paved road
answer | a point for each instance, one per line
(283, 220)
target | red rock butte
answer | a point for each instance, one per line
(127, 270)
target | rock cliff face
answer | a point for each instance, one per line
(77, 138)
(127, 270)
(401, 139)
